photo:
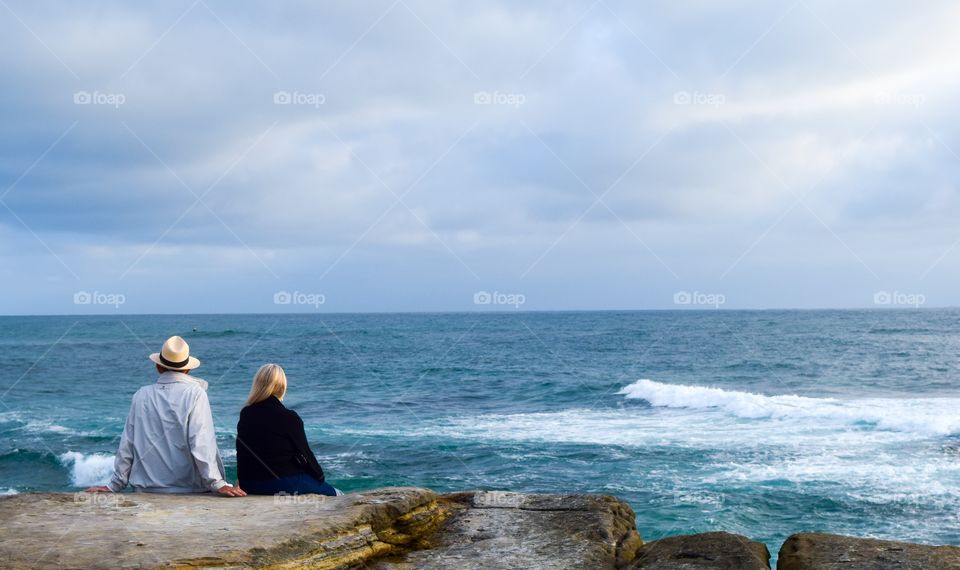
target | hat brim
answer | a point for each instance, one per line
(190, 365)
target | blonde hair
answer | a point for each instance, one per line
(270, 380)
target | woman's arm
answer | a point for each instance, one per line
(299, 437)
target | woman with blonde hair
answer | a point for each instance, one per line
(273, 455)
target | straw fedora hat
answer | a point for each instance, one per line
(175, 355)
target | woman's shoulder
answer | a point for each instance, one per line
(292, 415)
(258, 409)
(247, 414)
(270, 407)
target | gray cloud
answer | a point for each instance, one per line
(749, 149)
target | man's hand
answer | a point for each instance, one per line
(100, 489)
(230, 491)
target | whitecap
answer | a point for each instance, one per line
(87, 470)
(46, 426)
(920, 416)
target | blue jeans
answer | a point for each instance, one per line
(302, 484)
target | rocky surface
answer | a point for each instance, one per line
(711, 550)
(399, 529)
(203, 531)
(816, 551)
(391, 528)
(496, 530)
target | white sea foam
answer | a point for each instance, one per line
(741, 404)
(701, 417)
(86, 470)
(900, 475)
(9, 491)
(922, 416)
(12, 416)
(876, 450)
(46, 426)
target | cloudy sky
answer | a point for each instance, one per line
(406, 155)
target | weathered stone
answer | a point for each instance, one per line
(497, 530)
(58, 530)
(413, 528)
(711, 550)
(818, 551)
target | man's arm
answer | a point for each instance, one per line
(203, 448)
(123, 463)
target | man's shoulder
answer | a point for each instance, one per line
(189, 389)
(143, 391)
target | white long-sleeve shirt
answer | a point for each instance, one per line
(168, 443)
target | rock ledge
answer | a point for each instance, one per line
(399, 528)
(388, 528)
(809, 551)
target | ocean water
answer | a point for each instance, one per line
(762, 423)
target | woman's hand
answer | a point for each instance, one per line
(99, 489)
(231, 491)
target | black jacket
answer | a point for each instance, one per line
(271, 443)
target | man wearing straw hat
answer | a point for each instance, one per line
(168, 443)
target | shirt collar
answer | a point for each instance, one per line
(171, 376)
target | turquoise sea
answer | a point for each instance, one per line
(763, 423)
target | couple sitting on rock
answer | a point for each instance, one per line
(169, 445)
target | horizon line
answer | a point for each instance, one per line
(495, 311)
